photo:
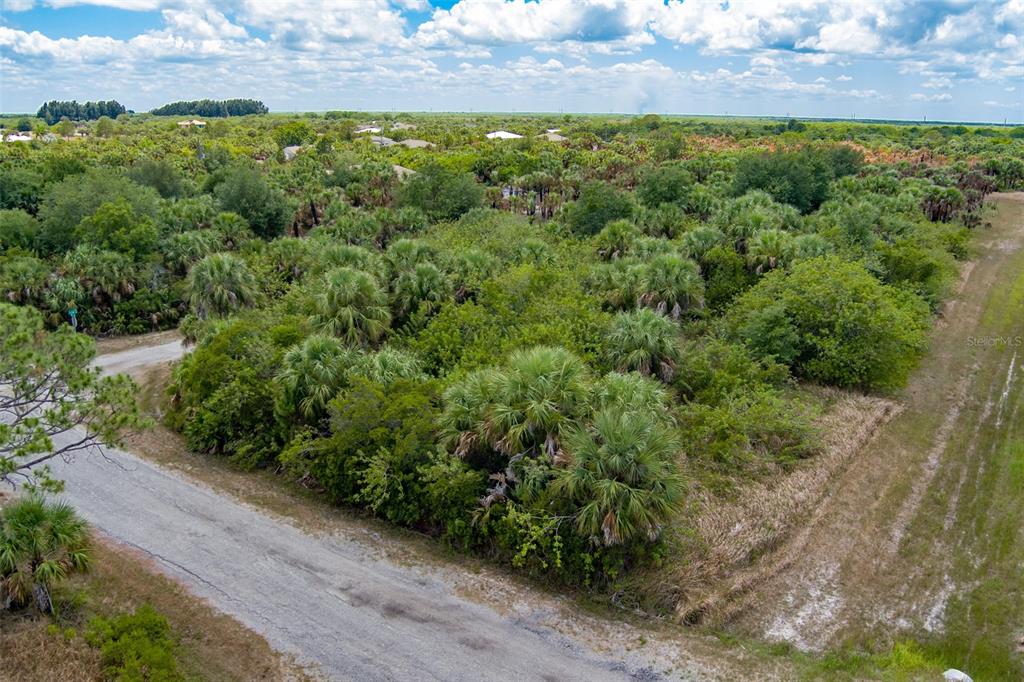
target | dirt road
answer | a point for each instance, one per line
(921, 535)
(327, 599)
(134, 359)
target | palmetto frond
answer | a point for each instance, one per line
(622, 476)
(220, 283)
(643, 341)
(351, 305)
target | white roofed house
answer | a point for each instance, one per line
(19, 137)
(381, 141)
(361, 130)
(502, 135)
(553, 137)
(194, 123)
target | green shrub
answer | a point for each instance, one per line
(135, 647)
(851, 330)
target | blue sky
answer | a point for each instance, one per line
(944, 59)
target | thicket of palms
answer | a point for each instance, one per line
(41, 543)
(770, 249)
(219, 284)
(643, 341)
(311, 374)
(621, 475)
(521, 408)
(424, 283)
(349, 304)
(672, 285)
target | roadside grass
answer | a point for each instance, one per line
(212, 646)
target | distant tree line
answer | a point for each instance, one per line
(212, 108)
(54, 110)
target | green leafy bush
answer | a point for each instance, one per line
(836, 322)
(135, 647)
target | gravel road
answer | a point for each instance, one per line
(328, 600)
(134, 359)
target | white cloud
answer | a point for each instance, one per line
(938, 83)
(518, 21)
(207, 24)
(941, 97)
(312, 24)
(844, 78)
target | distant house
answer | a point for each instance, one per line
(381, 141)
(291, 151)
(366, 129)
(502, 135)
(194, 123)
(19, 137)
(401, 125)
(553, 137)
(416, 144)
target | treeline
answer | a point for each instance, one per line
(54, 110)
(212, 108)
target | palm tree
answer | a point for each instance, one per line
(183, 249)
(40, 544)
(469, 270)
(232, 229)
(671, 285)
(327, 255)
(423, 284)
(465, 424)
(616, 239)
(697, 242)
(290, 256)
(810, 246)
(632, 392)
(23, 278)
(644, 341)
(405, 254)
(622, 476)
(770, 249)
(351, 305)
(520, 409)
(388, 365)
(534, 251)
(219, 284)
(311, 374)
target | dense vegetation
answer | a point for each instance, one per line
(212, 108)
(54, 110)
(538, 351)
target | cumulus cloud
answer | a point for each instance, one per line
(517, 21)
(547, 50)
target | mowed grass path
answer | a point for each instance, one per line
(984, 620)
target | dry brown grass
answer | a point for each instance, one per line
(719, 561)
(29, 653)
(213, 646)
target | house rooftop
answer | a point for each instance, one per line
(502, 135)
